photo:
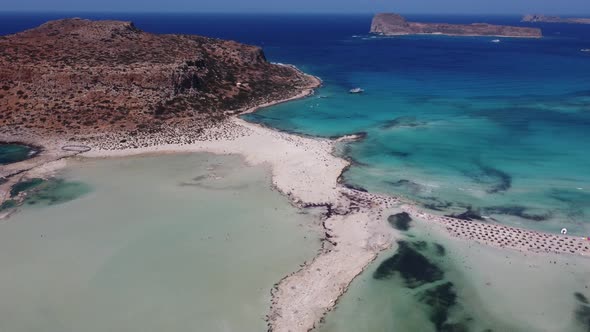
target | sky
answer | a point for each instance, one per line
(561, 7)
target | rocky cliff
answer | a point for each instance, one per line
(554, 19)
(77, 77)
(394, 24)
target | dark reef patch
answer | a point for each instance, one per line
(57, 191)
(440, 250)
(8, 204)
(570, 196)
(516, 210)
(414, 268)
(25, 185)
(468, 215)
(398, 154)
(400, 221)
(408, 185)
(582, 312)
(402, 121)
(497, 180)
(440, 300)
(436, 204)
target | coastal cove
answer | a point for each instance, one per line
(348, 168)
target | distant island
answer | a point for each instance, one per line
(394, 24)
(554, 19)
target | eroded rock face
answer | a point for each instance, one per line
(394, 24)
(77, 77)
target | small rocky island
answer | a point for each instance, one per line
(535, 18)
(75, 79)
(394, 25)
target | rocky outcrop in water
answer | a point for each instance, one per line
(535, 18)
(394, 24)
(78, 77)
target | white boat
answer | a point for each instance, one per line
(495, 40)
(585, 50)
(356, 90)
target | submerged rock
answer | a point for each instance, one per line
(440, 300)
(440, 250)
(25, 186)
(57, 191)
(412, 187)
(497, 180)
(400, 221)
(403, 121)
(414, 268)
(468, 215)
(517, 211)
(582, 312)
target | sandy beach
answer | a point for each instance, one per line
(305, 170)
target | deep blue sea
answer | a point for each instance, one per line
(454, 123)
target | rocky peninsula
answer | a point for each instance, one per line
(535, 18)
(395, 25)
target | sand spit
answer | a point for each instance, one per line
(306, 170)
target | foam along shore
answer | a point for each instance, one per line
(306, 170)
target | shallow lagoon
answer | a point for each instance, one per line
(444, 284)
(167, 243)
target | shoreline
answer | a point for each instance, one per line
(306, 170)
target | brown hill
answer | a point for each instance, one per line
(77, 77)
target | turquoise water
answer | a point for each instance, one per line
(12, 153)
(459, 124)
(168, 243)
